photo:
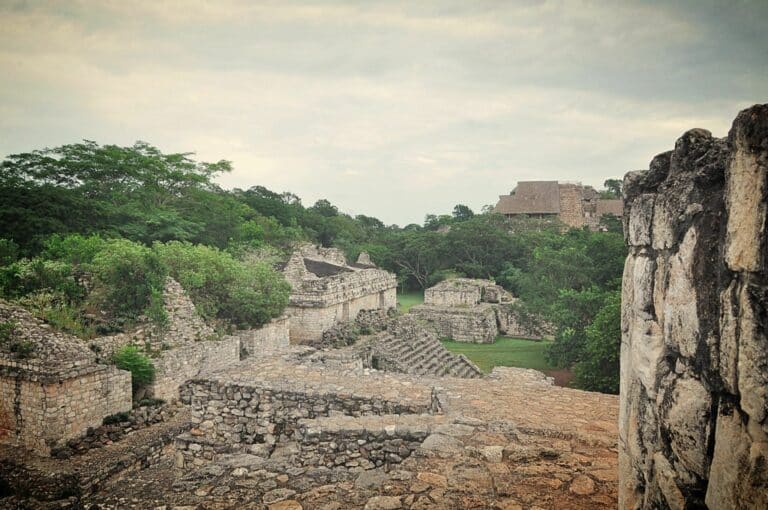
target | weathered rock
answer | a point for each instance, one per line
(383, 503)
(694, 353)
(582, 485)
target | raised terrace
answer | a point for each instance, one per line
(292, 432)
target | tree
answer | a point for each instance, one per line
(599, 370)
(462, 213)
(418, 255)
(135, 192)
(613, 188)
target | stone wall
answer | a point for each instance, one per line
(456, 296)
(360, 443)
(184, 325)
(43, 411)
(256, 413)
(694, 352)
(510, 323)
(56, 390)
(176, 366)
(308, 322)
(270, 338)
(476, 324)
(571, 210)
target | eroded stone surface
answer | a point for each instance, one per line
(694, 367)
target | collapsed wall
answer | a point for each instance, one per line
(694, 351)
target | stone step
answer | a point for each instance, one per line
(424, 358)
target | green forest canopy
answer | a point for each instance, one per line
(132, 215)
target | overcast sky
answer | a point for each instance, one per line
(390, 109)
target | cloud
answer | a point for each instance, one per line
(390, 109)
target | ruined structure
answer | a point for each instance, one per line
(327, 290)
(406, 346)
(270, 425)
(470, 310)
(573, 204)
(51, 387)
(694, 352)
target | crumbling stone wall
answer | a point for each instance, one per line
(57, 390)
(176, 366)
(360, 443)
(258, 413)
(571, 209)
(272, 337)
(476, 324)
(694, 352)
(41, 411)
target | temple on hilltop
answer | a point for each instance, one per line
(328, 290)
(575, 205)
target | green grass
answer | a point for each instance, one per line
(507, 352)
(406, 300)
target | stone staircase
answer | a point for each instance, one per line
(408, 347)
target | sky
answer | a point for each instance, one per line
(389, 109)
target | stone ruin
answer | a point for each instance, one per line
(392, 421)
(694, 351)
(575, 205)
(471, 310)
(327, 290)
(292, 427)
(51, 386)
(407, 346)
(65, 386)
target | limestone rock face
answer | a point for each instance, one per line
(694, 353)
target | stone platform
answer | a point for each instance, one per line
(356, 438)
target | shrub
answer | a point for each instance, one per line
(53, 308)
(22, 348)
(155, 312)
(73, 248)
(115, 418)
(132, 359)
(7, 331)
(125, 276)
(9, 252)
(225, 288)
(29, 275)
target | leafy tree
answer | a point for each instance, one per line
(418, 255)
(125, 276)
(462, 213)
(137, 192)
(9, 252)
(612, 188)
(599, 370)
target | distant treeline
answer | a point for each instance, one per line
(143, 204)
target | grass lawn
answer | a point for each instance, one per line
(406, 300)
(507, 352)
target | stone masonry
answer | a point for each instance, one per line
(470, 310)
(575, 205)
(56, 390)
(327, 290)
(694, 351)
(406, 346)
